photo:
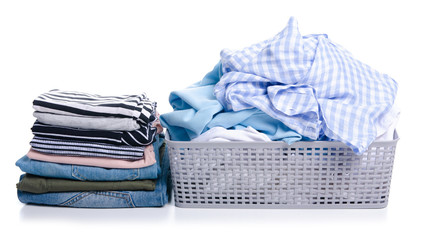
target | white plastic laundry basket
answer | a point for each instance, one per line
(277, 175)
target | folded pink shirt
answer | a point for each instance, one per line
(147, 160)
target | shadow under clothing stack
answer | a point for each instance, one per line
(93, 151)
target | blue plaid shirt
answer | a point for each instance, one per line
(312, 85)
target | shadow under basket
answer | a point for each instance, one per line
(316, 174)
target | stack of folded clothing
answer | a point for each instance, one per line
(290, 88)
(95, 151)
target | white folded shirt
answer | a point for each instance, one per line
(220, 134)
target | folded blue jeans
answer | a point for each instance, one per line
(85, 173)
(111, 199)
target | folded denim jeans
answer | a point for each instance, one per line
(86, 173)
(111, 199)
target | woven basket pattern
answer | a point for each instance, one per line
(277, 175)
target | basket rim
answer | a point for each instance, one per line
(275, 144)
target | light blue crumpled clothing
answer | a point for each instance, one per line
(196, 110)
(311, 84)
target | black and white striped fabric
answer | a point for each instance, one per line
(70, 103)
(95, 123)
(85, 149)
(140, 137)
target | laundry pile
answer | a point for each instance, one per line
(95, 151)
(288, 88)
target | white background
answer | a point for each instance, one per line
(125, 47)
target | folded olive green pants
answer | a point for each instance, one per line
(36, 184)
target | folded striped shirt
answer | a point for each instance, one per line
(85, 149)
(140, 137)
(95, 123)
(147, 160)
(70, 103)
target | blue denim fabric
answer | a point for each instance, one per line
(110, 199)
(87, 173)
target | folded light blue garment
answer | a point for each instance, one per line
(196, 110)
(85, 173)
(89, 173)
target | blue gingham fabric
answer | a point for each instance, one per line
(312, 85)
